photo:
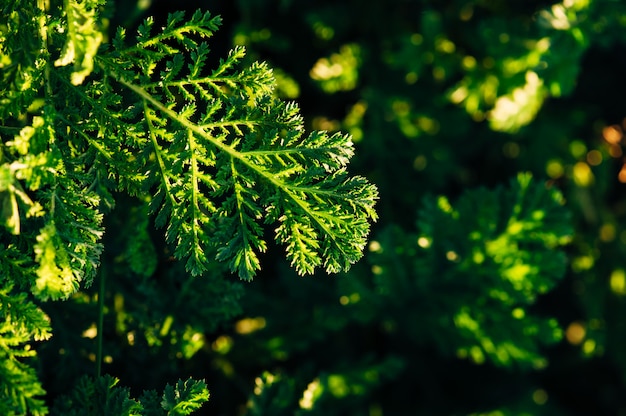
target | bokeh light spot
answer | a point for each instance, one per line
(594, 157)
(577, 149)
(511, 150)
(468, 62)
(617, 282)
(589, 346)
(612, 134)
(575, 333)
(582, 174)
(249, 325)
(452, 256)
(375, 247)
(554, 169)
(621, 176)
(540, 396)
(222, 344)
(518, 313)
(420, 162)
(423, 242)
(607, 233)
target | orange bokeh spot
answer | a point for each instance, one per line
(615, 150)
(575, 333)
(622, 174)
(594, 158)
(612, 134)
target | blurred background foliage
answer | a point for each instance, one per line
(502, 296)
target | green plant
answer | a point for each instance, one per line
(459, 291)
(103, 396)
(211, 153)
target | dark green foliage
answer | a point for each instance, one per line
(135, 157)
(459, 293)
(417, 83)
(331, 393)
(274, 394)
(21, 322)
(103, 396)
(497, 251)
(212, 153)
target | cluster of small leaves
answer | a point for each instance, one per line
(222, 156)
(20, 322)
(272, 392)
(48, 203)
(51, 225)
(514, 230)
(83, 38)
(103, 396)
(166, 310)
(49, 210)
(503, 69)
(491, 254)
(211, 152)
(278, 393)
(22, 56)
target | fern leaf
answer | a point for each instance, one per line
(100, 396)
(185, 398)
(225, 157)
(20, 322)
(151, 403)
(496, 251)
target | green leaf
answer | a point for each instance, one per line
(23, 51)
(151, 403)
(83, 37)
(103, 396)
(185, 398)
(20, 322)
(100, 396)
(497, 251)
(55, 276)
(223, 157)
